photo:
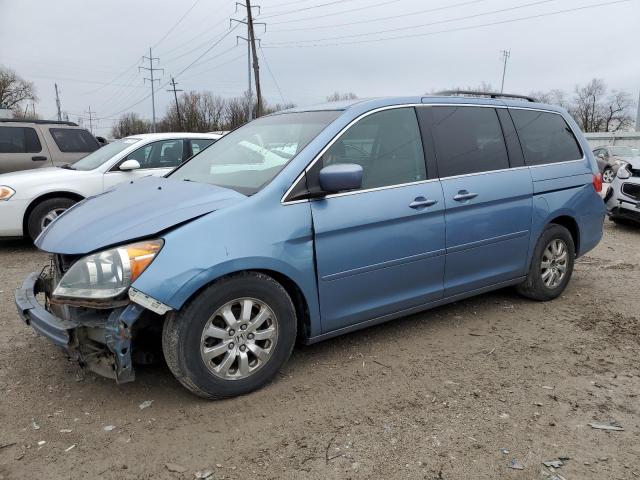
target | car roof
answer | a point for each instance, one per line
(364, 104)
(170, 135)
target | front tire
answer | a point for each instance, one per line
(608, 175)
(46, 212)
(232, 338)
(551, 265)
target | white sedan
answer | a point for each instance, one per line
(30, 200)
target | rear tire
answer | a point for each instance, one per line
(551, 265)
(45, 212)
(232, 338)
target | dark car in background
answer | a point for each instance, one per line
(610, 158)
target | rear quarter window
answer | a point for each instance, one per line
(545, 137)
(74, 140)
(19, 140)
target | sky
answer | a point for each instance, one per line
(310, 48)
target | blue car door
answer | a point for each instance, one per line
(487, 195)
(380, 249)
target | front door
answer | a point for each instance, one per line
(488, 203)
(155, 159)
(379, 250)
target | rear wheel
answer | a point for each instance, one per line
(46, 212)
(232, 338)
(551, 265)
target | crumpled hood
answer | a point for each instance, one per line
(131, 211)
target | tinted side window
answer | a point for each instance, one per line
(386, 144)
(72, 140)
(199, 144)
(545, 137)
(162, 154)
(19, 140)
(468, 140)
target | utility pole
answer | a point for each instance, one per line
(58, 102)
(252, 53)
(150, 69)
(90, 119)
(249, 92)
(505, 56)
(175, 95)
(256, 67)
(638, 116)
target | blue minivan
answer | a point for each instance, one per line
(314, 222)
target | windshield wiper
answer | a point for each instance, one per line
(67, 166)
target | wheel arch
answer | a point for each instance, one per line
(570, 223)
(41, 198)
(292, 288)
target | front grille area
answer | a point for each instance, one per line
(62, 263)
(631, 190)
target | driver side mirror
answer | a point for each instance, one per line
(341, 177)
(601, 156)
(129, 165)
(623, 173)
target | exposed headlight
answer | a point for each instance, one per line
(621, 163)
(107, 274)
(6, 192)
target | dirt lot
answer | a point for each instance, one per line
(440, 395)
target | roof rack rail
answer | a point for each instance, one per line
(472, 93)
(47, 122)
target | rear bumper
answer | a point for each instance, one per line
(99, 340)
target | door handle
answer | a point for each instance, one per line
(421, 202)
(463, 195)
(39, 158)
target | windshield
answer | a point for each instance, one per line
(622, 151)
(248, 158)
(97, 158)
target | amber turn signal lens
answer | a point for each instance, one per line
(141, 255)
(6, 192)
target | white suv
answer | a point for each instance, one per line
(27, 144)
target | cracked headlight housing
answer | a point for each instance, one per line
(107, 274)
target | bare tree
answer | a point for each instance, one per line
(553, 97)
(337, 96)
(15, 91)
(130, 124)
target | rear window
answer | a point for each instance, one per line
(74, 140)
(468, 140)
(19, 140)
(545, 137)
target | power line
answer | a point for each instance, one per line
(411, 27)
(381, 19)
(357, 9)
(459, 29)
(176, 24)
(275, 82)
(306, 8)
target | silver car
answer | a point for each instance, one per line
(611, 157)
(623, 196)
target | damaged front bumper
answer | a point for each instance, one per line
(100, 340)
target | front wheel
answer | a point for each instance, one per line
(232, 338)
(46, 212)
(608, 175)
(551, 265)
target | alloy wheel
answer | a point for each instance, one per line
(239, 338)
(554, 263)
(50, 217)
(608, 176)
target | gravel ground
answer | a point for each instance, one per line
(454, 393)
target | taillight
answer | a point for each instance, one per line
(597, 182)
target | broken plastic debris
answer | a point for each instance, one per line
(41, 443)
(145, 404)
(504, 451)
(70, 448)
(66, 430)
(204, 474)
(553, 463)
(606, 426)
(109, 428)
(516, 465)
(35, 425)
